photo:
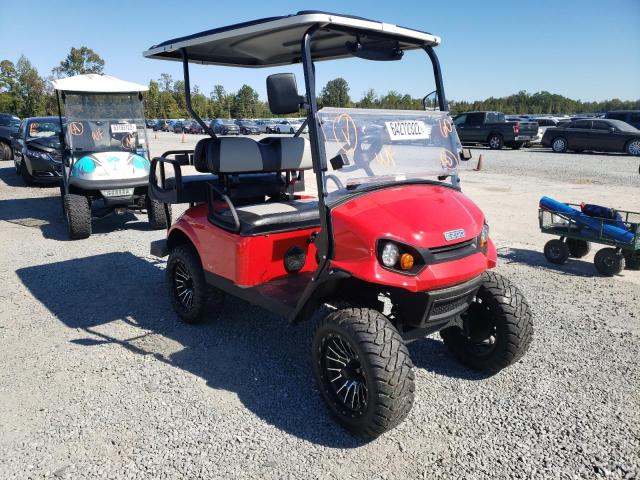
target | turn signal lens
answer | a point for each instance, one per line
(406, 261)
(484, 236)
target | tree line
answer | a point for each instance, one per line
(25, 93)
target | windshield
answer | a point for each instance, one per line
(105, 122)
(43, 128)
(386, 146)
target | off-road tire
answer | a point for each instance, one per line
(77, 210)
(632, 260)
(495, 141)
(185, 256)
(609, 262)
(559, 145)
(5, 151)
(556, 251)
(578, 248)
(157, 214)
(511, 316)
(387, 370)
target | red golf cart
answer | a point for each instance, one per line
(382, 240)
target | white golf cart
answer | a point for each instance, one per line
(106, 160)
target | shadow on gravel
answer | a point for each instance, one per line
(432, 355)
(45, 213)
(535, 258)
(246, 350)
(9, 176)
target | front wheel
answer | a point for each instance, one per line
(363, 370)
(27, 178)
(516, 145)
(77, 210)
(495, 142)
(609, 261)
(497, 328)
(632, 260)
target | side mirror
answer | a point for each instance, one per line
(282, 92)
(465, 154)
(430, 102)
(612, 130)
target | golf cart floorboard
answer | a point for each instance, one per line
(279, 296)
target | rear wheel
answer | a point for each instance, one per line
(157, 214)
(77, 210)
(578, 248)
(497, 328)
(559, 145)
(363, 370)
(632, 260)
(495, 141)
(609, 262)
(556, 251)
(187, 287)
(633, 147)
(5, 151)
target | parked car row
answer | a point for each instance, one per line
(228, 127)
(615, 131)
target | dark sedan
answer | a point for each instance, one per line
(37, 152)
(248, 127)
(178, 127)
(193, 127)
(225, 127)
(602, 135)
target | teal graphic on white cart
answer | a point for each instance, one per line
(111, 165)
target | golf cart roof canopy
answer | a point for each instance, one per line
(277, 41)
(97, 83)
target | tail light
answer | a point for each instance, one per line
(516, 128)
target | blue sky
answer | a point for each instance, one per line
(588, 50)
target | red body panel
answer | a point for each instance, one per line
(416, 215)
(246, 261)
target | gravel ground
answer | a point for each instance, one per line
(99, 380)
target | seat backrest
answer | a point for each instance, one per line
(234, 155)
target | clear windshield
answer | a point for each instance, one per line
(386, 146)
(105, 122)
(43, 129)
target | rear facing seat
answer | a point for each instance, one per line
(254, 169)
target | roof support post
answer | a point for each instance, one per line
(437, 74)
(187, 94)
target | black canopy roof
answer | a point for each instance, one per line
(277, 40)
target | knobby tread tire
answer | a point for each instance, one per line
(78, 216)
(157, 215)
(513, 320)
(189, 257)
(387, 363)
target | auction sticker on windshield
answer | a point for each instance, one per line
(408, 130)
(123, 127)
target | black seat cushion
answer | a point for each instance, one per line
(275, 216)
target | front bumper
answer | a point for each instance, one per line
(433, 310)
(45, 171)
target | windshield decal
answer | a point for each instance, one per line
(408, 130)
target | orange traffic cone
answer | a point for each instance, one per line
(480, 163)
(182, 140)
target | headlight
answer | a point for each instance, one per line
(38, 154)
(484, 236)
(390, 254)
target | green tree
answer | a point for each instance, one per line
(10, 100)
(80, 61)
(31, 88)
(245, 103)
(152, 108)
(335, 94)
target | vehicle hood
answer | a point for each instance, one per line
(417, 215)
(47, 144)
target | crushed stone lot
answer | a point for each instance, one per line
(98, 378)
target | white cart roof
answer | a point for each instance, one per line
(97, 83)
(277, 40)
